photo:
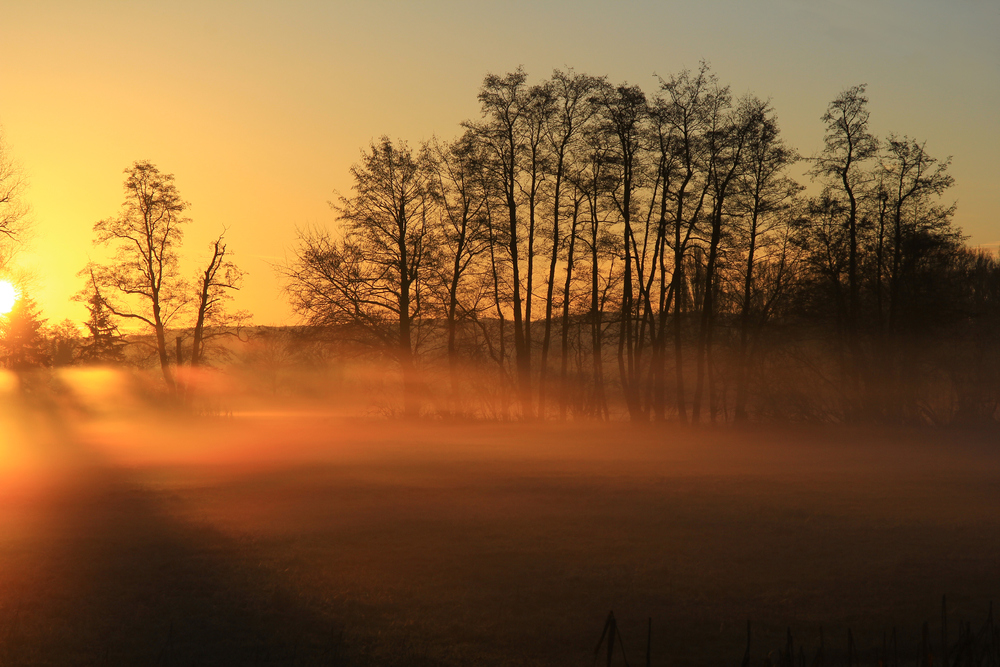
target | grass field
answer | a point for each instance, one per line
(306, 539)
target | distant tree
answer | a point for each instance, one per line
(216, 283)
(63, 341)
(728, 136)
(847, 146)
(105, 343)
(686, 109)
(142, 281)
(505, 130)
(764, 211)
(912, 181)
(572, 111)
(971, 356)
(593, 180)
(13, 209)
(22, 338)
(623, 112)
(373, 281)
(460, 190)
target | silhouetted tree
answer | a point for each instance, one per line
(727, 136)
(572, 110)
(22, 340)
(373, 280)
(504, 131)
(764, 200)
(687, 109)
(460, 188)
(105, 343)
(848, 145)
(216, 283)
(623, 114)
(13, 209)
(63, 342)
(913, 180)
(142, 281)
(674, 219)
(594, 181)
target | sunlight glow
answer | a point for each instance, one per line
(8, 297)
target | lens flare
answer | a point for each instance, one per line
(8, 297)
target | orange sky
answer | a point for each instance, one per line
(259, 109)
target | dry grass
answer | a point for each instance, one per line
(308, 540)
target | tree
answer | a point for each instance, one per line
(460, 190)
(913, 180)
(594, 179)
(572, 111)
(624, 111)
(216, 283)
(847, 145)
(105, 342)
(13, 210)
(505, 108)
(22, 341)
(687, 110)
(764, 198)
(372, 281)
(63, 342)
(142, 282)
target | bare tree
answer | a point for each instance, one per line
(459, 188)
(727, 139)
(687, 108)
(504, 103)
(372, 281)
(594, 181)
(764, 198)
(572, 110)
(217, 283)
(847, 146)
(13, 209)
(142, 282)
(623, 113)
(912, 179)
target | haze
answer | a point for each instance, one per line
(499, 331)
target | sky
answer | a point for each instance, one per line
(260, 108)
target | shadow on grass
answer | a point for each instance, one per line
(108, 575)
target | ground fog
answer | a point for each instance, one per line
(301, 535)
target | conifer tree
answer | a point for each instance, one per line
(22, 343)
(105, 342)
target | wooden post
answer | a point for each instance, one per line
(612, 628)
(649, 641)
(746, 655)
(925, 649)
(944, 631)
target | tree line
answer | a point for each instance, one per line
(585, 249)
(602, 250)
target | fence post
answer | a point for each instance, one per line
(649, 641)
(746, 655)
(944, 631)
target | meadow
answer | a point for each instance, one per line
(298, 536)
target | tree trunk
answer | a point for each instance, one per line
(564, 331)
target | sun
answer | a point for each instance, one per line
(8, 297)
